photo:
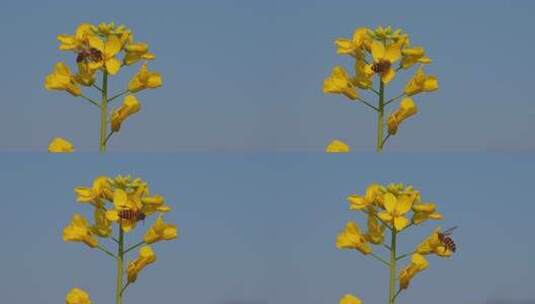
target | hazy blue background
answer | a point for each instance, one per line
(258, 229)
(247, 75)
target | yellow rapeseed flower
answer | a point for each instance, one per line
(152, 204)
(77, 296)
(102, 226)
(144, 79)
(137, 51)
(108, 49)
(337, 146)
(384, 57)
(129, 107)
(354, 47)
(79, 231)
(77, 41)
(376, 231)
(339, 82)
(433, 245)
(60, 145)
(160, 231)
(349, 299)
(351, 238)
(363, 75)
(396, 207)
(124, 201)
(101, 189)
(412, 56)
(61, 79)
(357, 202)
(424, 212)
(418, 264)
(407, 108)
(85, 75)
(421, 82)
(146, 257)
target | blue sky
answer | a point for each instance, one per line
(260, 228)
(246, 75)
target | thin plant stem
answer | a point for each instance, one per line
(386, 138)
(120, 257)
(134, 246)
(103, 112)
(90, 100)
(403, 256)
(380, 259)
(367, 104)
(393, 268)
(117, 96)
(124, 288)
(375, 91)
(380, 116)
(396, 295)
(106, 251)
(108, 137)
(97, 87)
(394, 99)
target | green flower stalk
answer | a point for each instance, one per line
(388, 208)
(379, 55)
(96, 49)
(123, 201)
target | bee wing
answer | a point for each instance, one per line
(449, 230)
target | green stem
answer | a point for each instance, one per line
(367, 103)
(106, 251)
(120, 257)
(403, 256)
(380, 116)
(393, 269)
(394, 99)
(135, 246)
(108, 137)
(103, 112)
(118, 95)
(380, 259)
(90, 100)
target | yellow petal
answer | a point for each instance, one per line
(378, 51)
(112, 46)
(390, 202)
(77, 296)
(96, 43)
(387, 76)
(113, 65)
(337, 146)
(349, 299)
(60, 145)
(393, 52)
(400, 222)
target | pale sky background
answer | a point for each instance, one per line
(247, 75)
(261, 228)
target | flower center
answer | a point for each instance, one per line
(381, 66)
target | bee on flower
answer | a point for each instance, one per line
(100, 52)
(379, 56)
(118, 204)
(391, 210)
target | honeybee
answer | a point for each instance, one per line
(90, 54)
(381, 66)
(129, 214)
(446, 240)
